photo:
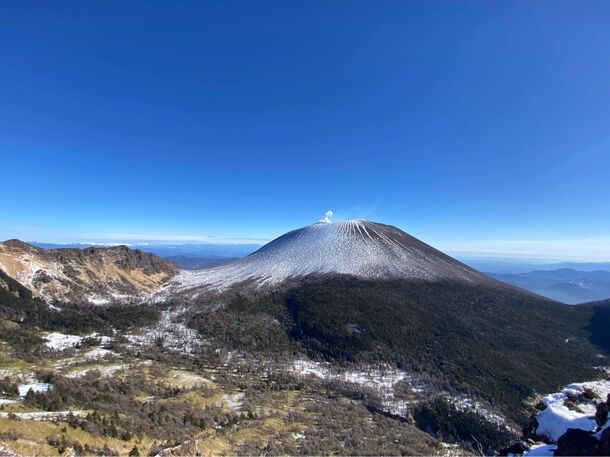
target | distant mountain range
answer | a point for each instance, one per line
(170, 250)
(567, 282)
(186, 256)
(503, 265)
(565, 285)
(199, 263)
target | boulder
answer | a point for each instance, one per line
(601, 414)
(604, 443)
(577, 442)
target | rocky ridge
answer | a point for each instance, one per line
(95, 275)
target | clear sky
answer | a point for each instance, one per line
(475, 126)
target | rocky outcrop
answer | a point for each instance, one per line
(604, 442)
(567, 426)
(577, 442)
(95, 275)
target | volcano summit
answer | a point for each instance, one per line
(367, 250)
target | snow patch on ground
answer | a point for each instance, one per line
(171, 333)
(23, 389)
(98, 300)
(557, 416)
(465, 403)
(35, 387)
(541, 450)
(451, 449)
(57, 341)
(450, 445)
(384, 381)
(234, 401)
(98, 353)
(44, 415)
(105, 371)
(381, 381)
(6, 452)
(60, 341)
(606, 370)
(598, 435)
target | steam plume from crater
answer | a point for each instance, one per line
(327, 216)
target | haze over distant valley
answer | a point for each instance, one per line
(565, 281)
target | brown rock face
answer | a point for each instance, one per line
(96, 275)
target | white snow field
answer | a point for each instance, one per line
(381, 381)
(541, 450)
(558, 417)
(44, 415)
(34, 387)
(57, 341)
(359, 248)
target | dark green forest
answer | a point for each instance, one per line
(499, 344)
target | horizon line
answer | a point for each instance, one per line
(504, 256)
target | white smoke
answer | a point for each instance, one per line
(327, 216)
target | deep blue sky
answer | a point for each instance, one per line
(476, 126)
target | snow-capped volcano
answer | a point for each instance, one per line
(360, 248)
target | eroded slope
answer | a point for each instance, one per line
(96, 275)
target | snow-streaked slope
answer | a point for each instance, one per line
(359, 248)
(94, 275)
